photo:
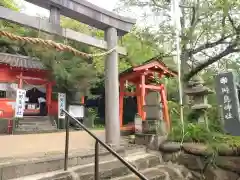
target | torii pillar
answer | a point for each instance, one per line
(112, 90)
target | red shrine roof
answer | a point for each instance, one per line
(155, 65)
(20, 61)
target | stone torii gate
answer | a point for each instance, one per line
(113, 25)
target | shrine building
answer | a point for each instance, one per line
(141, 77)
(30, 74)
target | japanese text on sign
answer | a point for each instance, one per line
(227, 106)
(61, 105)
(20, 103)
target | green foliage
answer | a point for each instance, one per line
(194, 133)
(197, 133)
(209, 27)
(11, 4)
(139, 48)
(70, 72)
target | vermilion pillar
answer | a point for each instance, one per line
(20, 85)
(142, 94)
(121, 97)
(82, 100)
(49, 96)
(163, 95)
(139, 104)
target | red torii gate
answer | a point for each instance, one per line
(140, 76)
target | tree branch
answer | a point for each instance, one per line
(210, 45)
(193, 16)
(230, 49)
(158, 5)
(200, 35)
(232, 22)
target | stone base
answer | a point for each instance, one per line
(152, 141)
(154, 127)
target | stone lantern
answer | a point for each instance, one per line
(198, 94)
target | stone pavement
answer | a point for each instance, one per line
(32, 145)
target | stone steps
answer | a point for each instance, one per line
(151, 165)
(150, 173)
(108, 169)
(53, 162)
(35, 124)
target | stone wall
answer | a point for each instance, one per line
(204, 164)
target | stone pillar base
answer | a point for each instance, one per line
(154, 127)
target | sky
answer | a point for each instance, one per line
(33, 10)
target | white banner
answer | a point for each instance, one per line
(61, 105)
(20, 103)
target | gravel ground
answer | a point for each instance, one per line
(36, 145)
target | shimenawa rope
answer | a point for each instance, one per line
(52, 44)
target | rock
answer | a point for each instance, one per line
(152, 141)
(196, 149)
(196, 176)
(170, 147)
(131, 139)
(230, 163)
(229, 151)
(212, 173)
(192, 162)
(170, 156)
(175, 171)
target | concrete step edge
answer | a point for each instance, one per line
(82, 169)
(150, 173)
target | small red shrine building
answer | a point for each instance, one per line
(25, 73)
(141, 77)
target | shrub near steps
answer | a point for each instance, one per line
(149, 164)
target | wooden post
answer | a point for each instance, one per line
(139, 105)
(20, 85)
(82, 100)
(143, 91)
(121, 98)
(165, 106)
(49, 96)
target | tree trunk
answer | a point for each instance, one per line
(184, 70)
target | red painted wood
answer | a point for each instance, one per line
(140, 76)
(31, 76)
(139, 107)
(155, 66)
(6, 108)
(165, 107)
(143, 94)
(82, 100)
(20, 85)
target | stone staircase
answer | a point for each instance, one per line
(148, 163)
(35, 124)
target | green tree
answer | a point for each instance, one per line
(70, 72)
(210, 29)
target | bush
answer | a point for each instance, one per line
(198, 133)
